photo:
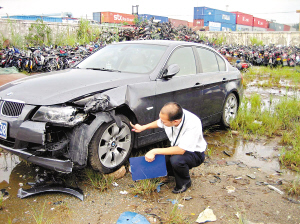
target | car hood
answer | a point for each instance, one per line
(60, 87)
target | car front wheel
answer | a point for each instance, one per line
(230, 109)
(111, 146)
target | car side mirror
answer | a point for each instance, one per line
(171, 71)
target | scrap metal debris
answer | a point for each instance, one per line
(48, 183)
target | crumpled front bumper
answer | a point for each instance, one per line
(63, 166)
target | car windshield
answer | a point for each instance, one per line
(132, 58)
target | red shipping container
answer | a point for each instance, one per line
(178, 22)
(286, 28)
(243, 19)
(115, 17)
(191, 24)
(257, 22)
(269, 29)
(198, 22)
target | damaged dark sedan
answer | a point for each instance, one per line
(67, 119)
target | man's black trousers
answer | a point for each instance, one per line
(179, 166)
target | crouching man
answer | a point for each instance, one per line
(184, 130)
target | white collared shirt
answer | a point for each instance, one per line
(191, 136)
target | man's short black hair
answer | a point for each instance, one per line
(173, 110)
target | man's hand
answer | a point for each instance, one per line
(150, 156)
(137, 128)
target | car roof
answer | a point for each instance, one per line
(161, 42)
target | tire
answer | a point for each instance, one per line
(110, 146)
(229, 110)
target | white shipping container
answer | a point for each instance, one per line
(213, 26)
(243, 28)
(259, 29)
(293, 29)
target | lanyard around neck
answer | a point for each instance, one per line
(179, 130)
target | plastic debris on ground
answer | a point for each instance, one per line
(276, 189)
(131, 218)
(230, 189)
(206, 216)
(115, 184)
(123, 192)
(7, 71)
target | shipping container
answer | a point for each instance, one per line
(97, 16)
(213, 26)
(268, 29)
(191, 24)
(262, 23)
(259, 29)
(34, 18)
(243, 28)
(276, 26)
(214, 15)
(228, 27)
(286, 28)
(293, 29)
(198, 22)
(243, 19)
(115, 17)
(178, 22)
(161, 19)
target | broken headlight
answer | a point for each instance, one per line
(68, 116)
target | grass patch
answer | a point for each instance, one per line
(176, 217)
(293, 188)
(270, 77)
(283, 119)
(98, 180)
(145, 187)
(39, 215)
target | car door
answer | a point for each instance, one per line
(185, 87)
(213, 80)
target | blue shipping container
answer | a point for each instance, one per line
(161, 19)
(214, 15)
(228, 27)
(97, 16)
(34, 18)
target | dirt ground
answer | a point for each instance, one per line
(251, 200)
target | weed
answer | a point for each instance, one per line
(145, 187)
(1, 201)
(98, 180)
(293, 188)
(39, 216)
(255, 41)
(176, 217)
(39, 34)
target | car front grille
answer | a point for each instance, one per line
(11, 108)
(9, 142)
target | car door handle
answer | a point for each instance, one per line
(224, 80)
(197, 84)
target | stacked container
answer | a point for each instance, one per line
(114, 17)
(244, 22)
(161, 19)
(286, 28)
(276, 26)
(178, 22)
(213, 16)
(260, 24)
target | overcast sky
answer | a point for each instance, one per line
(283, 11)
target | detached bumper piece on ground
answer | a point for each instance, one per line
(49, 184)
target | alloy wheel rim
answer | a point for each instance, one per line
(230, 109)
(114, 145)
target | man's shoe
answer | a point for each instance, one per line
(183, 189)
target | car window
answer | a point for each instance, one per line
(185, 59)
(208, 60)
(221, 62)
(132, 58)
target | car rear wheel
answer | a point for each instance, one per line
(230, 109)
(111, 146)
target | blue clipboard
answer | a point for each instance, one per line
(141, 169)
